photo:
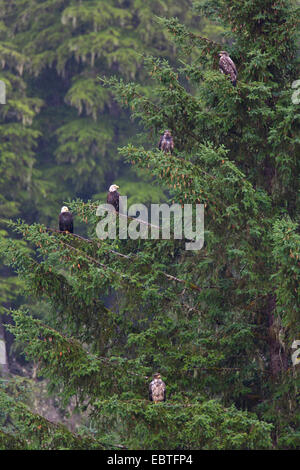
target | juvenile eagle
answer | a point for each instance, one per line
(166, 143)
(227, 66)
(65, 220)
(113, 196)
(157, 389)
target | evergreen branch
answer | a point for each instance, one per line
(50, 336)
(105, 267)
(75, 235)
(158, 109)
(34, 425)
(163, 156)
(182, 34)
(194, 36)
(10, 442)
(168, 276)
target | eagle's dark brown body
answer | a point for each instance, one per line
(227, 66)
(113, 199)
(166, 143)
(65, 222)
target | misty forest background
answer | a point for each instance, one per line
(90, 86)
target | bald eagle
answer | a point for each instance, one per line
(227, 66)
(157, 389)
(65, 220)
(113, 196)
(166, 143)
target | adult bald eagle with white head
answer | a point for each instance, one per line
(65, 220)
(113, 196)
(227, 66)
(157, 389)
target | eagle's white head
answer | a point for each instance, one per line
(64, 209)
(113, 188)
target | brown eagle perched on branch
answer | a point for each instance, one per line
(65, 220)
(113, 196)
(227, 66)
(166, 143)
(157, 389)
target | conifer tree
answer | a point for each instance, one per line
(64, 46)
(218, 323)
(19, 182)
(60, 130)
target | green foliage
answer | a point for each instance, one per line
(286, 254)
(186, 426)
(37, 432)
(59, 130)
(62, 47)
(217, 322)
